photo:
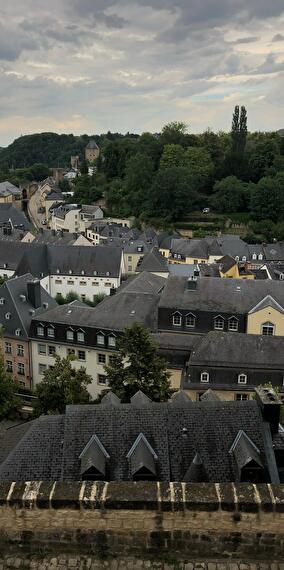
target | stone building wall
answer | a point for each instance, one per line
(168, 523)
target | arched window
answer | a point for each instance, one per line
(219, 323)
(242, 378)
(233, 324)
(244, 258)
(268, 329)
(254, 256)
(204, 377)
(260, 257)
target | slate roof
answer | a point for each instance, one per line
(190, 248)
(47, 259)
(6, 188)
(11, 254)
(55, 238)
(274, 251)
(92, 144)
(17, 217)
(233, 245)
(21, 311)
(222, 295)
(230, 349)
(268, 301)
(226, 263)
(54, 195)
(184, 269)
(63, 209)
(51, 448)
(154, 262)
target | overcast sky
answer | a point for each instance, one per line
(88, 66)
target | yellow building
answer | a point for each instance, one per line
(229, 268)
(266, 318)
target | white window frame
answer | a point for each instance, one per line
(242, 378)
(175, 316)
(70, 335)
(82, 335)
(193, 317)
(111, 341)
(21, 369)
(50, 328)
(42, 352)
(219, 318)
(40, 328)
(235, 321)
(41, 368)
(102, 337)
(268, 324)
(206, 375)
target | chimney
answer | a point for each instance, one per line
(191, 284)
(34, 293)
(269, 404)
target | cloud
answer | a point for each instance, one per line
(136, 64)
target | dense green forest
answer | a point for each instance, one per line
(161, 179)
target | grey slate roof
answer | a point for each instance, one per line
(92, 144)
(17, 217)
(222, 295)
(274, 251)
(21, 310)
(249, 350)
(196, 472)
(184, 269)
(54, 237)
(47, 259)
(153, 262)
(175, 433)
(11, 254)
(7, 188)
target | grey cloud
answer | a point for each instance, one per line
(248, 40)
(270, 65)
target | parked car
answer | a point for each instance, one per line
(206, 210)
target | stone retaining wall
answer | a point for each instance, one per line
(166, 522)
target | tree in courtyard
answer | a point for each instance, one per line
(137, 366)
(62, 385)
(9, 403)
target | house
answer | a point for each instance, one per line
(91, 333)
(235, 305)
(52, 237)
(227, 267)
(234, 365)
(86, 270)
(92, 151)
(195, 442)
(21, 299)
(53, 198)
(12, 216)
(73, 217)
(133, 251)
(9, 194)
(71, 174)
(176, 349)
(153, 262)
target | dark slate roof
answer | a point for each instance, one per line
(54, 195)
(17, 217)
(274, 251)
(230, 349)
(143, 283)
(233, 246)
(16, 302)
(154, 262)
(92, 144)
(190, 248)
(209, 396)
(47, 259)
(177, 341)
(209, 270)
(7, 188)
(11, 234)
(11, 254)
(51, 448)
(185, 269)
(54, 237)
(61, 210)
(221, 295)
(226, 263)
(196, 472)
(244, 451)
(275, 269)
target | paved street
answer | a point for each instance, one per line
(33, 205)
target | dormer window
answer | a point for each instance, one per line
(50, 332)
(80, 336)
(70, 334)
(204, 377)
(260, 257)
(40, 330)
(70, 271)
(2, 301)
(177, 319)
(142, 459)
(100, 339)
(254, 256)
(94, 459)
(107, 273)
(5, 265)
(57, 271)
(237, 258)
(190, 320)
(112, 341)
(242, 379)
(18, 332)
(82, 272)
(219, 323)
(233, 324)
(8, 316)
(244, 258)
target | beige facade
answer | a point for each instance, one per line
(258, 319)
(17, 359)
(225, 395)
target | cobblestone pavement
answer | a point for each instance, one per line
(85, 563)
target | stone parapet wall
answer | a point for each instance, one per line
(162, 521)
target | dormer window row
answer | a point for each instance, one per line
(72, 335)
(106, 340)
(190, 320)
(42, 329)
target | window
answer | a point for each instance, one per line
(70, 271)
(102, 379)
(57, 270)
(111, 360)
(8, 348)
(129, 258)
(267, 329)
(83, 297)
(233, 324)
(80, 336)
(20, 350)
(40, 331)
(70, 282)
(242, 378)
(2, 301)
(9, 366)
(204, 377)
(58, 281)
(244, 258)
(101, 358)
(51, 350)
(50, 332)
(100, 339)
(17, 332)
(8, 316)
(21, 369)
(242, 397)
(254, 256)
(41, 368)
(70, 351)
(260, 257)
(177, 319)
(70, 334)
(112, 341)
(190, 321)
(107, 284)
(219, 323)
(95, 283)
(82, 272)
(41, 348)
(237, 258)
(83, 283)
(129, 267)
(81, 355)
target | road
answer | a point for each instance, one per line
(33, 205)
